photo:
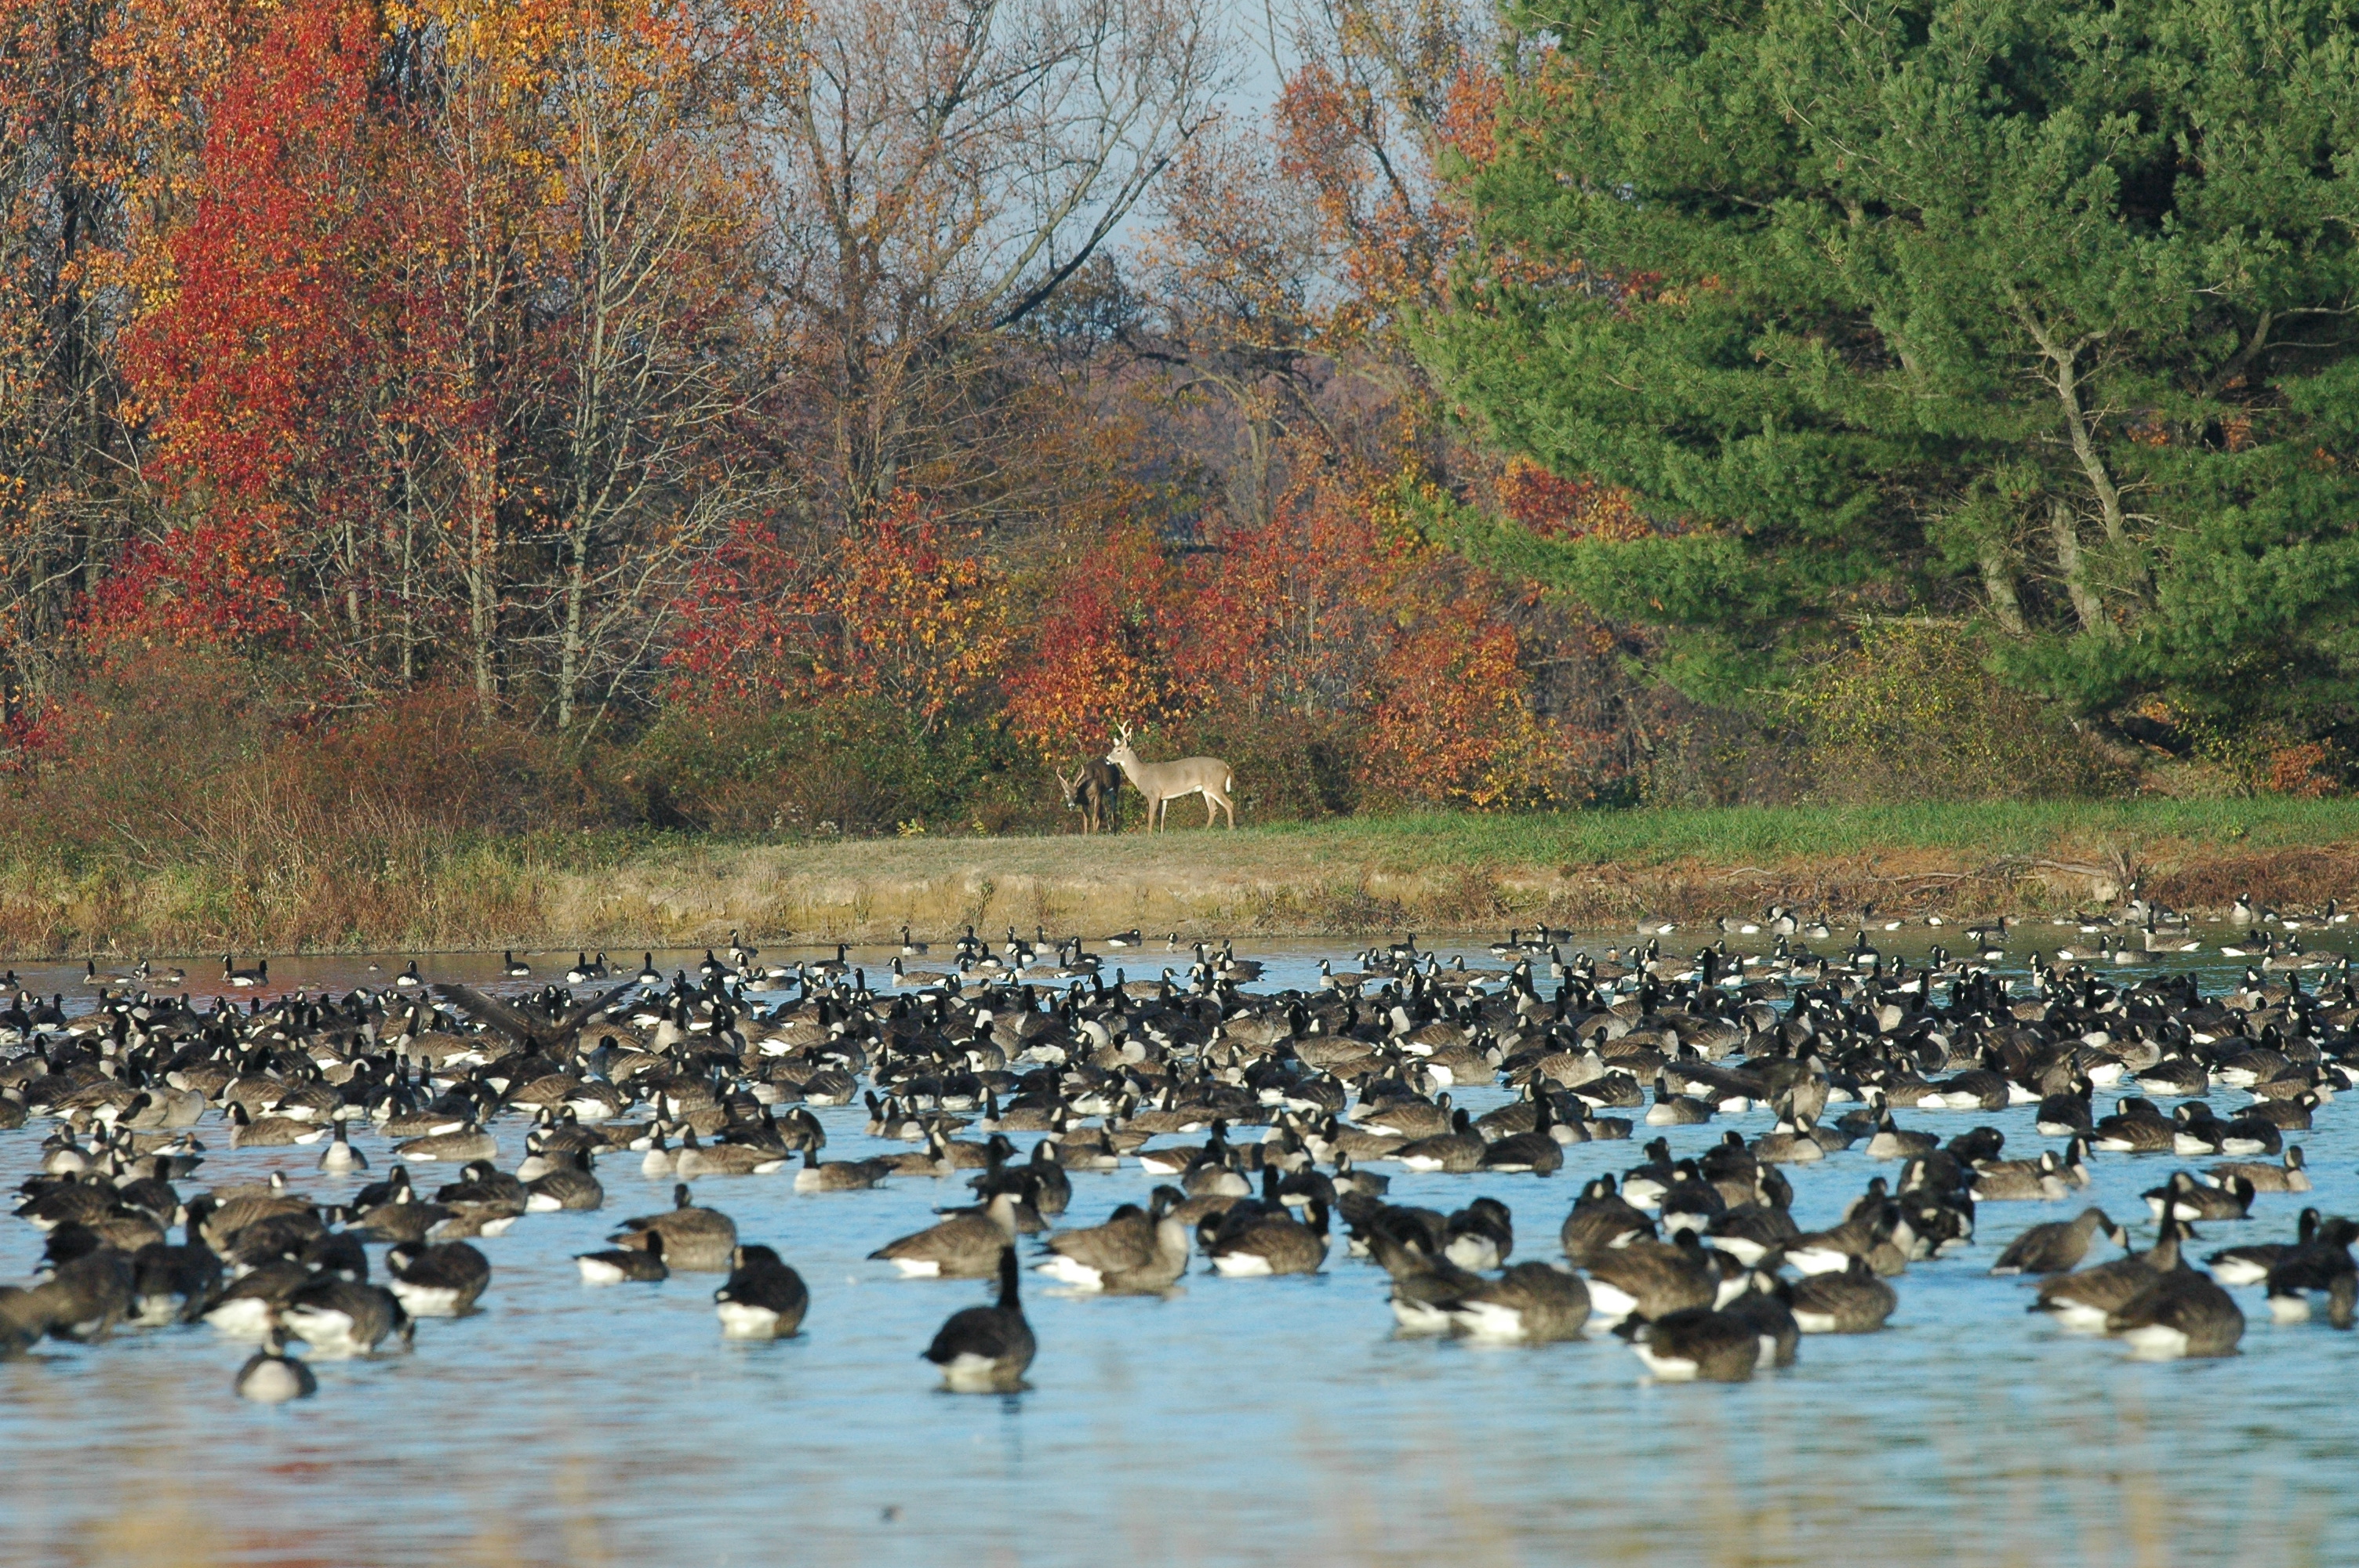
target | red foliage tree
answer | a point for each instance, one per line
(1103, 646)
(250, 362)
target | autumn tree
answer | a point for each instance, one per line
(68, 456)
(460, 331)
(951, 165)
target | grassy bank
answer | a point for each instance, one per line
(1432, 873)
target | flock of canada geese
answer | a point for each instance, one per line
(1264, 1121)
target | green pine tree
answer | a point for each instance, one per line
(2040, 310)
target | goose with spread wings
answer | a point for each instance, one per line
(545, 1032)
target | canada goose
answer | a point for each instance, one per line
(619, 1265)
(2181, 1311)
(2058, 1246)
(648, 974)
(763, 1299)
(340, 1156)
(22, 1319)
(399, 1216)
(1262, 1245)
(725, 1159)
(1457, 1151)
(441, 1281)
(1601, 1221)
(248, 1307)
(2065, 1113)
(837, 1175)
(963, 1247)
(2183, 1197)
(1750, 1232)
(471, 1143)
(2136, 1126)
(2319, 1262)
(1535, 1303)
(85, 1296)
(1650, 1279)
(248, 1131)
(339, 1317)
(1134, 1252)
(2250, 1265)
(1424, 1284)
(1695, 1345)
(2292, 1115)
(1852, 1301)
(986, 1349)
(1999, 1180)
(1869, 1230)
(2289, 1177)
(1675, 1110)
(1480, 1236)
(1044, 1174)
(1798, 1146)
(258, 976)
(513, 968)
(695, 1240)
(2084, 1299)
(1537, 1151)
(1891, 1142)
(572, 1186)
(271, 1376)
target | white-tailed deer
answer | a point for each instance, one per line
(1094, 792)
(1159, 784)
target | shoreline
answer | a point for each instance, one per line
(1438, 875)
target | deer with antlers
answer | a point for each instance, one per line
(1159, 784)
(1095, 792)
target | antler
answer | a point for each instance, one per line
(1122, 735)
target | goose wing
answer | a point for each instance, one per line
(520, 1025)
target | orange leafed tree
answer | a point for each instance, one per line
(909, 611)
(1102, 652)
(256, 360)
(904, 609)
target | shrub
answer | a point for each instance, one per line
(862, 764)
(1909, 712)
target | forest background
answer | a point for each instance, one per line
(432, 422)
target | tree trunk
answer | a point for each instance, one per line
(569, 657)
(1998, 586)
(479, 501)
(2065, 529)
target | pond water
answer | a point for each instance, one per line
(1239, 1420)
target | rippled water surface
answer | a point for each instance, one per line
(1238, 1422)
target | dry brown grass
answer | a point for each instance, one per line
(305, 878)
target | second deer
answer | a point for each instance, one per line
(1096, 793)
(1159, 784)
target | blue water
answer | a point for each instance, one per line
(1239, 1421)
